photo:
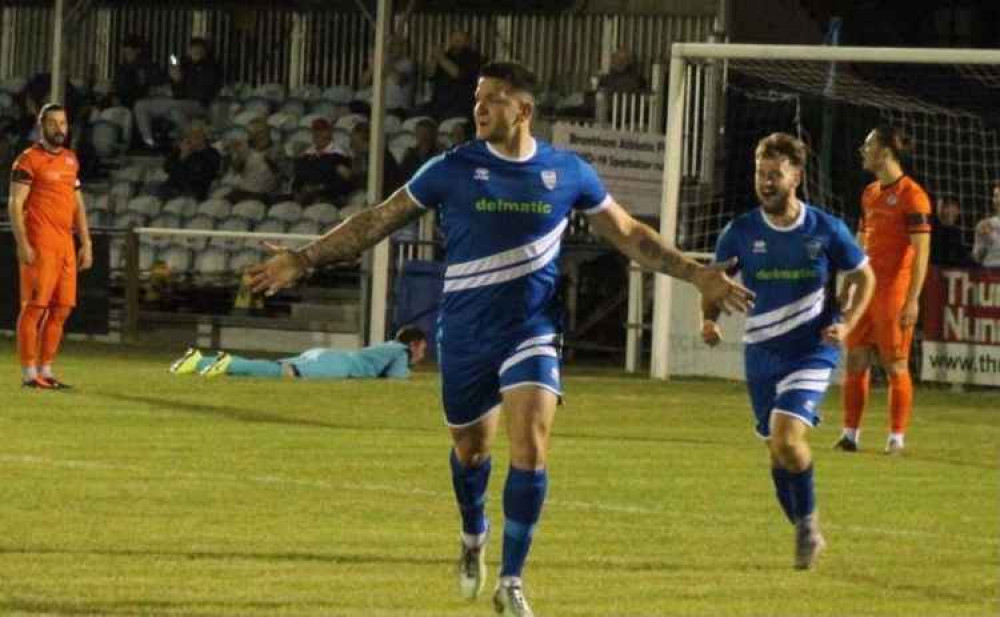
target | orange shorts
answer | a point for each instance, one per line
(880, 327)
(51, 279)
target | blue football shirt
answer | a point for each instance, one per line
(792, 271)
(503, 221)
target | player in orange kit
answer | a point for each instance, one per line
(894, 230)
(45, 207)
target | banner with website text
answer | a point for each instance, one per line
(629, 164)
(961, 317)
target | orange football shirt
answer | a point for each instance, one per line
(51, 205)
(889, 215)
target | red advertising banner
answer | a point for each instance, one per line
(961, 321)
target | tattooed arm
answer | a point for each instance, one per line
(646, 247)
(342, 243)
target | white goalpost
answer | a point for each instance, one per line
(943, 97)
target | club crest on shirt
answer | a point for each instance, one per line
(481, 173)
(891, 200)
(814, 248)
(549, 178)
(759, 247)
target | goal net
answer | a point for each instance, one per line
(724, 98)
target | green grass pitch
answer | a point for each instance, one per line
(143, 493)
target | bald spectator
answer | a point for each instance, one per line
(986, 249)
(254, 164)
(624, 75)
(192, 166)
(323, 172)
(454, 73)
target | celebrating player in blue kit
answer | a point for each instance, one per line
(788, 253)
(503, 201)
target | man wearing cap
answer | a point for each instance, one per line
(323, 172)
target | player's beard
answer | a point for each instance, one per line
(775, 203)
(56, 139)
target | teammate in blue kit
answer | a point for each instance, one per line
(503, 202)
(390, 360)
(788, 253)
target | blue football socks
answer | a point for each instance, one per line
(470, 491)
(523, 497)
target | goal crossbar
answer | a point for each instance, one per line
(676, 102)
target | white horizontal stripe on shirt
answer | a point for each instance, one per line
(763, 334)
(509, 257)
(784, 312)
(502, 276)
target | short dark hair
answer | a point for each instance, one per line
(49, 108)
(895, 140)
(777, 145)
(410, 334)
(517, 75)
(949, 198)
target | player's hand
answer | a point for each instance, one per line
(911, 310)
(85, 257)
(281, 270)
(25, 254)
(835, 333)
(722, 291)
(711, 334)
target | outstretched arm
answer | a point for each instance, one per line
(342, 243)
(646, 247)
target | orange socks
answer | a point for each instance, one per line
(855, 398)
(900, 400)
(52, 332)
(28, 325)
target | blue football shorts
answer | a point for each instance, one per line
(796, 389)
(474, 376)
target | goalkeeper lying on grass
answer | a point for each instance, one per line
(391, 359)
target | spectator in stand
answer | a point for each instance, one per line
(624, 75)
(253, 164)
(399, 79)
(391, 175)
(192, 166)
(135, 75)
(454, 73)
(460, 133)
(195, 80)
(35, 94)
(986, 249)
(948, 246)
(323, 172)
(426, 148)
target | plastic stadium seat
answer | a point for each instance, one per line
(273, 92)
(182, 207)
(241, 260)
(122, 117)
(309, 228)
(342, 139)
(146, 205)
(197, 223)
(398, 152)
(236, 132)
(298, 142)
(323, 214)
(294, 106)
(96, 218)
(96, 201)
(349, 121)
(306, 92)
(268, 226)
(357, 200)
(215, 208)
(166, 221)
(283, 120)
(177, 258)
(339, 94)
(133, 174)
(147, 255)
(120, 193)
(246, 116)
(448, 124)
(250, 209)
(211, 262)
(571, 101)
(286, 212)
(129, 219)
(410, 124)
(105, 138)
(256, 104)
(13, 85)
(233, 224)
